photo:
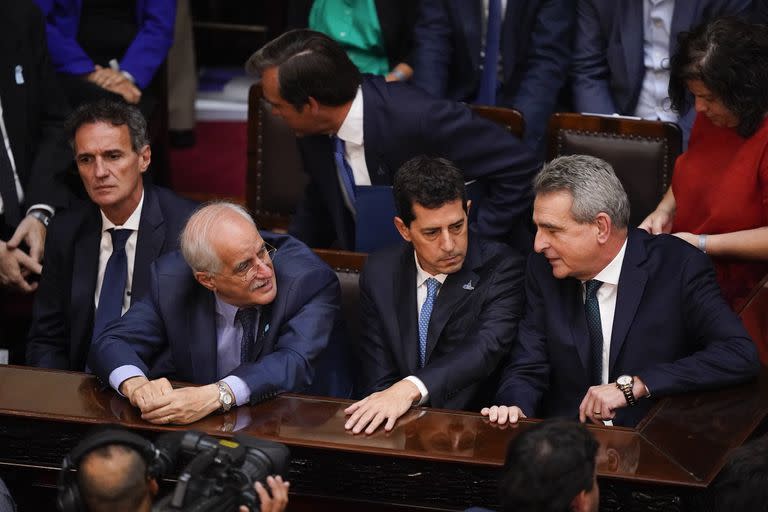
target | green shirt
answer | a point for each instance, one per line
(355, 25)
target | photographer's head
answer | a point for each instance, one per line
(116, 472)
(551, 468)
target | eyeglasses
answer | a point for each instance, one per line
(264, 257)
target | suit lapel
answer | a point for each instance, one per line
(149, 244)
(632, 39)
(199, 344)
(472, 15)
(405, 294)
(631, 287)
(84, 273)
(454, 291)
(374, 136)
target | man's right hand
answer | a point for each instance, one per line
(15, 265)
(140, 390)
(279, 498)
(503, 414)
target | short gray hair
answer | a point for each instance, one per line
(591, 182)
(195, 238)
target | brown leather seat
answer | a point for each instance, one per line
(348, 266)
(641, 152)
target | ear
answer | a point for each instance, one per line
(153, 487)
(312, 105)
(145, 157)
(404, 230)
(604, 225)
(205, 279)
(469, 205)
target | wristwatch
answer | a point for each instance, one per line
(42, 216)
(226, 399)
(625, 383)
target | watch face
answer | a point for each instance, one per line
(624, 380)
(227, 399)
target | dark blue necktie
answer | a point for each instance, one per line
(426, 312)
(113, 285)
(592, 309)
(486, 94)
(346, 175)
(247, 318)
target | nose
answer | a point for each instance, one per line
(447, 243)
(540, 241)
(700, 105)
(99, 168)
(263, 269)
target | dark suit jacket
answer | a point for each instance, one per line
(471, 329)
(400, 122)
(608, 68)
(62, 317)
(671, 328)
(33, 111)
(396, 19)
(172, 331)
(535, 49)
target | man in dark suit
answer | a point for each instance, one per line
(533, 49)
(614, 317)
(621, 53)
(111, 149)
(375, 127)
(33, 150)
(248, 315)
(440, 309)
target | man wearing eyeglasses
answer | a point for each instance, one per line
(245, 314)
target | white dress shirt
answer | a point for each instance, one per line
(105, 251)
(653, 102)
(351, 132)
(421, 296)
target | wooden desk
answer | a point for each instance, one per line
(441, 460)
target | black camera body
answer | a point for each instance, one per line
(218, 474)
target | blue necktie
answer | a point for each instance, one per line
(247, 318)
(345, 174)
(592, 309)
(426, 311)
(486, 94)
(113, 285)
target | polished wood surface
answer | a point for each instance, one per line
(754, 314)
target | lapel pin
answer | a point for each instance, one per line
(19, 74)
(266, 328)
(468, 286)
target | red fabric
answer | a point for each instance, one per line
(720, 186)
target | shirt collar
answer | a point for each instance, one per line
(132, 222)
(611, 273)
(422, 275)
(351, 130)
(225, 310)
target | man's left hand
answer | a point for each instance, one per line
(387, 405)
(182, 405)
(31, 231)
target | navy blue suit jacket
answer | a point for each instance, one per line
(62, 317)
(535, 50)
(471, 329)
(671, 328)
(608, 68)
(172, 331)
(399, 123)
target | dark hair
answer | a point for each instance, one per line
(547, 466)
(116, 113)
(430, 182)
(310, 64)
(730, 57)
(743, 482)
(124, 492)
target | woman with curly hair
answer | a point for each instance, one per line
(718, 200)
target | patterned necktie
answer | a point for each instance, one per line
(426, 311)
(489, 79)
(346, 175)
(247, 318)
(113, 285)
(592, 309)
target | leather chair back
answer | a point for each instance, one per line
(642, 153)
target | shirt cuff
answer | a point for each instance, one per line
(239, 388)
(44, 207)
(421, 387)
(123, 373)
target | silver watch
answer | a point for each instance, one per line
(226, 399)
(625, 383)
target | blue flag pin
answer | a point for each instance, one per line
(19, 74)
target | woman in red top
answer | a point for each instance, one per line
(718, 200)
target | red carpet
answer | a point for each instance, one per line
(216, 165)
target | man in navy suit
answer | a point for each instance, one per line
(622, 50)
(440, 309)
(358, 131)
(451, 40)
(111, 149)
(247, 315)
(614, 317)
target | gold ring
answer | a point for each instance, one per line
(596, 413)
